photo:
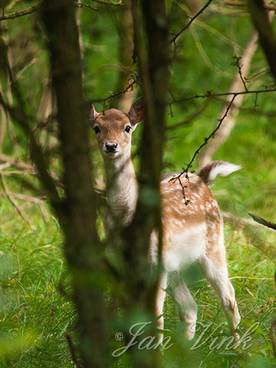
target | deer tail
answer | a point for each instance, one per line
(217, 168)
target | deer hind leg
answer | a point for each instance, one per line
(217, 275)
(186, 306)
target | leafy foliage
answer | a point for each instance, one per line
(35, 312)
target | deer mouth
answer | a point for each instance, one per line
(111, 154)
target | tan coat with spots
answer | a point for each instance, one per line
(192, 224)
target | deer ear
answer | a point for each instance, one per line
(136, 112)
(93, 113)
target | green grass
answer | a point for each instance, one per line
(35, 316)
(252, 277)
(32, 309)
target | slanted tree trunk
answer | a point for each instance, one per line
(77, 213)
(229, 122)
(125, 56)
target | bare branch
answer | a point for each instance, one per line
(241, 6)
(238, 81)
(20, 13)
(35, 8)
(209, 94)
(84, 5)
(133, 81)
(26, 197)
(20, 165)
(102, 2)
(263, 222)
(203, 144)
(239, 66)
(20, 116)
(13, 202)
(178, 34)
(190, 118)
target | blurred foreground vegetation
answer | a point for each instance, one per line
(36, 314)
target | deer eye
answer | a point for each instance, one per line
(97, 129)
(128, 128)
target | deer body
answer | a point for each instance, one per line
(191, 232)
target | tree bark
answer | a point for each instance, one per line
(151, 45)
(3, 86)
(78, 212)
(125, 51)
(267, 38)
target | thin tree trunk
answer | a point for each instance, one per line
(151, 45)
(47, 106)
(267, 38)
(3, 123)
(125, 56)
(78, 218)
(229, 122)
(3, 86)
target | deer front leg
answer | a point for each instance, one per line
(159, 304)
(187, 307)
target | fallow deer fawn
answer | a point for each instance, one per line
(191, 232)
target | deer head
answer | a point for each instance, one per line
(113, 129)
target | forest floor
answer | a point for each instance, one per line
(36, 313)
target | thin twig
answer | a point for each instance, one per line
(35, 8)
(239, 66)
(175, 37)
(206, 140)
(20, 13)
(209, 94)
(25, 197)
(84, 5)
(21, 117)
(133, 81)
(20, 165)
(102, 2)
(190, 118)
(11, 199)
(176, 100)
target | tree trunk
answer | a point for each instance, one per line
(78, 212)
(267, 38)
(125, 57)
(4, 86)
(151, 45)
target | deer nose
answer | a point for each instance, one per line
(111, 147)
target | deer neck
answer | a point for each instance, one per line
(122, 189)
